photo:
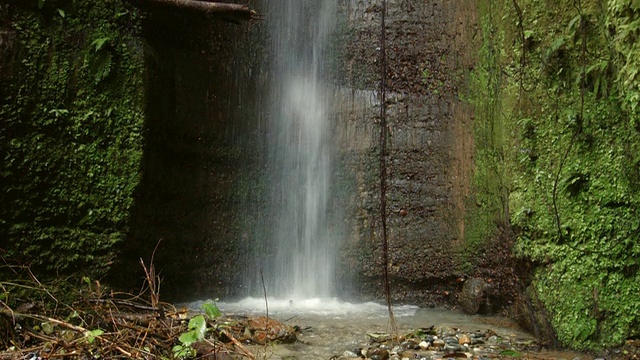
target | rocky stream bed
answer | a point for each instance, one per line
(107, 325)
(335, 330)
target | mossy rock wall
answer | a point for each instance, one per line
(557, 130)
(202, 194)
(71, 123)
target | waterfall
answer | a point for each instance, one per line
(300, 262)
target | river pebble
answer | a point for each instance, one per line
(442, 344)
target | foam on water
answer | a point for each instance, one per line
(330, 307)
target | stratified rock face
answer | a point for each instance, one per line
(429, 147)
(204, 192)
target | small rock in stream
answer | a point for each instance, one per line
(452, 348)
(464, 339)
(453, 343)
(350, 354)
(377, 354)
(438, 343)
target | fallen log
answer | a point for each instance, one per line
(235, 13)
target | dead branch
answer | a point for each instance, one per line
(239, 345)
(97, 324)
(76, 328)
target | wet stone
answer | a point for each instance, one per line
(349, 354)
(492, 340)
(410, 345)
(450, 340)
(464, 339)
(429, 338)
(438, 343)
(455, 344)
(452, 348)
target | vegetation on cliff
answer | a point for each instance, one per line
(558, 140)
(71, 111)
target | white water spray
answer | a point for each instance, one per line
(301, 262)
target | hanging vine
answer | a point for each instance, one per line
(383, 166)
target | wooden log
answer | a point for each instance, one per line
(225, 11)
(235, 13)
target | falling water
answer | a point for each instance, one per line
(300, 263)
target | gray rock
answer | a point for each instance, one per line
(429, 338)
(474, 293)
(349, 354)
(452, 348)
(450, 340)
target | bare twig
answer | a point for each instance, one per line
(239, 345)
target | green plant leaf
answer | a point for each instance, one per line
(40, 4)
(188, 338)
(47, 328)
(183, 352)
(211, 309)
(511, 353)
(573, 21)
(103, 63)
(197, 329)
(199, 325)
(99, 43)
(92, 334)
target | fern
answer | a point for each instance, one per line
(102, 67)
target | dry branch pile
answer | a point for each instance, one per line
(109, 325)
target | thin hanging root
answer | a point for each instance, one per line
(384, 131)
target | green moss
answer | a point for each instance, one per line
(488, 204)
(71, 134)
(570, 98)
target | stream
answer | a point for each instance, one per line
(337, 328)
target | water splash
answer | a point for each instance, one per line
(300, 262)
(311, 306)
